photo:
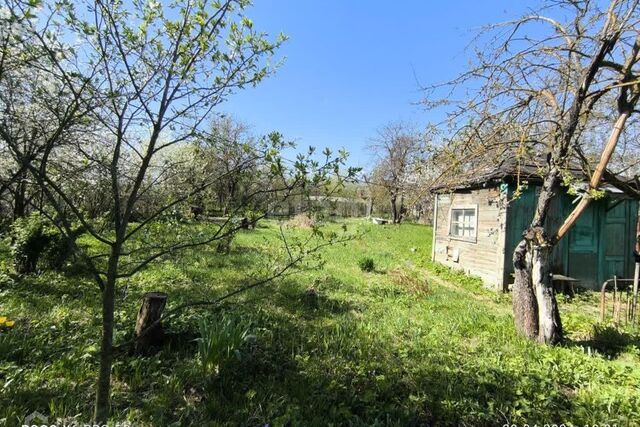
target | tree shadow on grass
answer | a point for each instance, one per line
(608, 341)
(305, 370)
(48, 285)
(311, 302)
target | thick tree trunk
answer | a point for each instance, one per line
(525, 307)
(531, 266)
(535, 308)
(147, 336)
(20, 198)
(102, 404)
(394, 208)
(549, 325)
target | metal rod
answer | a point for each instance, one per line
(634, 303)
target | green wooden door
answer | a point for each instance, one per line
(616, 242)
(583, 247)
(519, 216)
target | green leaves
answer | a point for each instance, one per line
(220, 340)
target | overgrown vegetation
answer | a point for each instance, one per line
(35, 240)
(366, 349)
(220, 341)
(367, 264)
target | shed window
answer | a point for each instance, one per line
(463, 223)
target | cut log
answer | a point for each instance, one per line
(148, 332)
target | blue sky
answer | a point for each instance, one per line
(353, 65)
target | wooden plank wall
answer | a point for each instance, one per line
(485, 256)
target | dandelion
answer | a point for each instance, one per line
(3, 320)
(10, 323)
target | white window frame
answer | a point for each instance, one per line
(473, 238)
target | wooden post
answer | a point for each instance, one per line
(148, 331)
(617, 299)
(636, 275)
(634, 300)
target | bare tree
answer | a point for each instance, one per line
(400, 150)
(541, 86)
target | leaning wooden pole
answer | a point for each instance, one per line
(597, 175)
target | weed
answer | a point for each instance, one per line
(412, 280)
(366, 264)
(220, 341)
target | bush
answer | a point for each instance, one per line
(29, 240)
(35, 239)
(252, 217)
(366, 264)
(223, 244)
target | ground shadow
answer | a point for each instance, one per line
(608, 341)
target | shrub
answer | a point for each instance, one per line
(223, 245)
(366, 264)
(29, 241)
(220, 341)
(36, 239)
(252, 217)
(228, 233)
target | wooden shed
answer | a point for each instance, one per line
(478, 223)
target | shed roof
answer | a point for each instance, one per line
(510, 171)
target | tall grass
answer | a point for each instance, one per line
(414, 343)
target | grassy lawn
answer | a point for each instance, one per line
(410, 343)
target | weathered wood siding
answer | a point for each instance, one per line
(483, 257)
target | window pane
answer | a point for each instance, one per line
(456, 230)
(470, 231)
(469, 216)
(463, 223)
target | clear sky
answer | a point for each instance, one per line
(353, 65)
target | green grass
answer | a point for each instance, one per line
(410, 343)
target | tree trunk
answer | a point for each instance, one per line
(394, 208)
(102, 405)
(401, 209)
(525, 307)
(549, 325)
(153, 304)
(535, 309)
(103, 392)
(20, 199)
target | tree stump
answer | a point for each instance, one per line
(148, 332)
